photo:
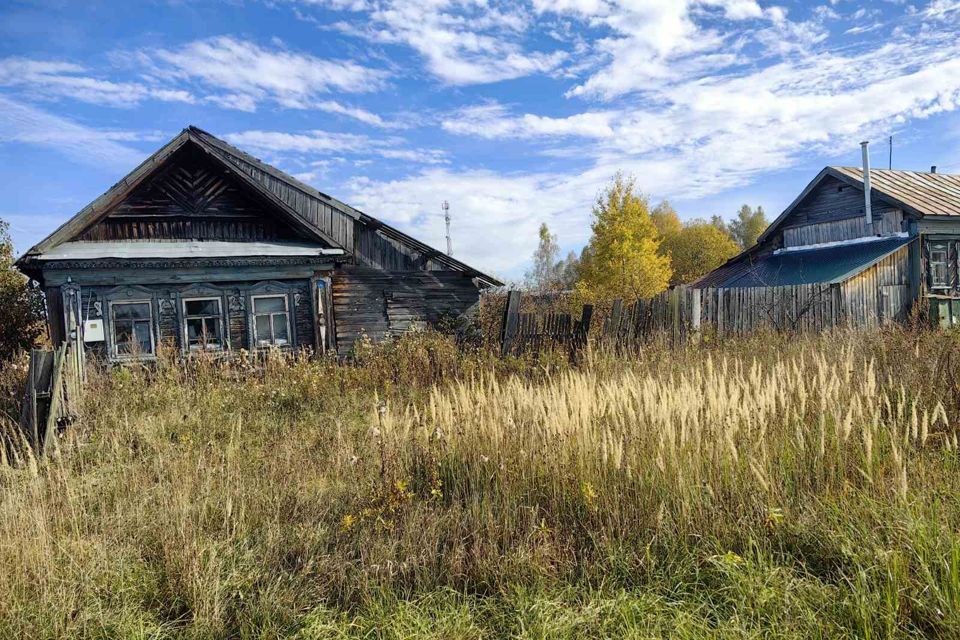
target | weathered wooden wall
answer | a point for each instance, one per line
(881, 293)
(835, 200)
(379, 304)
(374, 249)
(891, 221)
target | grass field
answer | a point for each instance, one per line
(771, 487)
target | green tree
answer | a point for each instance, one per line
(748, 225)
(21, 304)
(699, 247)
(622, 259)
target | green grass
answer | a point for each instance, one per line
(765, 488)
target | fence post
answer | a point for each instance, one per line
(613, 328)
(675, 313)
(582, 331)
(695, 312)
(511, 319)
(719, 312)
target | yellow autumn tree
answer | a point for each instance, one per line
(697, 249)
(622, 259)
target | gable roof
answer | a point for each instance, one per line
(916, 192)
(252, 166)
(250, 171)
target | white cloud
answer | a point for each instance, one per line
(314, 142)
(362, 115)
(250, 74)
(57, 80)
(463, 42)
(24, 124)
(492, 120)
(691, 139)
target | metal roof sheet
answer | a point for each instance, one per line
(929, 194)
(188, 249)
(826, 265)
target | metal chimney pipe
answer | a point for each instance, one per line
(933, 169)
(868, 212)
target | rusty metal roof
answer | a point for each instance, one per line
(924, 193)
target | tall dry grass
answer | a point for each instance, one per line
(788, 487)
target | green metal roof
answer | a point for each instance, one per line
(826, 265)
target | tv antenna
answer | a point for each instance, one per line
(446, 218)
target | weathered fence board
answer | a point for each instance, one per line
(53, 388)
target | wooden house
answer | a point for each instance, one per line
(884, 243)
(209, 248)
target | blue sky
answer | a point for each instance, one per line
(516, 112)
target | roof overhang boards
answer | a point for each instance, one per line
(102, 206)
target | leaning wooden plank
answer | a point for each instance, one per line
(56, 397)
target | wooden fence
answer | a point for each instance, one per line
(680, 314)
(51, 394)
(683, 312)
(532, 332)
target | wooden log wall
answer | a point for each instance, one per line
(380, 304)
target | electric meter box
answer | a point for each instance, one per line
(93, 330)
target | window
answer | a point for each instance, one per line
(271, 322)
(203, 324)
(132, 325)
(939, 267)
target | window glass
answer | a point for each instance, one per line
(280, 329)
(131, 310)
(271, 321)
(203, 323)
(264, 336)
(939, 266)
(268, 305)
(202, 307)
(132, 328)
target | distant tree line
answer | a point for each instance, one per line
(636, 250)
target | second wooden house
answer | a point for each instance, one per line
(887, 240)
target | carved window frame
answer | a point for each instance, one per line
(132, 294)
(152, 323)
(939, 267)
(269, 289)
(203, 291)
(221, 343)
